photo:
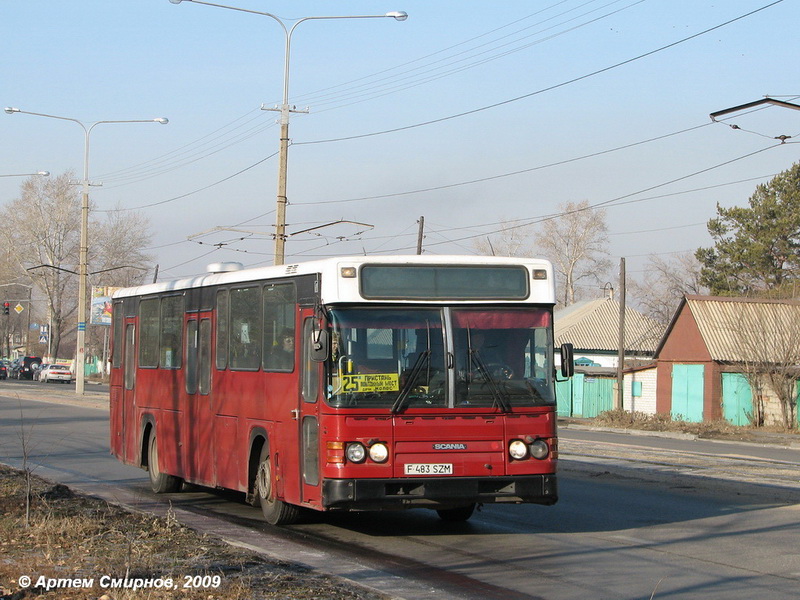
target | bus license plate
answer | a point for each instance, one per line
(428, 469)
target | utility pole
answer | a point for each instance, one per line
(28, 327)
(419, 235)
(285, 108)
(621, 339)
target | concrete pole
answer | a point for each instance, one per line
(280, 209)
(621, 339)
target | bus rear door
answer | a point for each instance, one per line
(130, 427)
(198, 411)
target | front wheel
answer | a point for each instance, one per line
(276, 512)
(160, 483)
(458, 514)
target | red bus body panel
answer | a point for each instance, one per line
(213, 438)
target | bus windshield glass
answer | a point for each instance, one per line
(405, 359)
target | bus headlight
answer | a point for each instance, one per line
(356, 453)
(539, 449)
(518, 450)
(379, 452)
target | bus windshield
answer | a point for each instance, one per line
(399, 359)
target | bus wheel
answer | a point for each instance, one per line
(276, 512)
(461, 513)
(161, 483)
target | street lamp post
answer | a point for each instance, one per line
(80, 356)
(39, 173)
(285, 110)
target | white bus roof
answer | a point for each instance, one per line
(338, 289)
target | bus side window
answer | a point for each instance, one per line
(245, 331)
(191, 357)
(310, 371)
(148, 332)
(116, 349)
(204, 358)
(222, 329)
(130, 356)
(279, 314)
(171, 330)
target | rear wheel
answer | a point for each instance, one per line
(460, 513)
(276, 512)
(161, 483)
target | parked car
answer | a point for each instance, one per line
(60, 373)
(3, 369)
(36, 370)
(23, 367)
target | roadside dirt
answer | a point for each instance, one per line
(55, 544)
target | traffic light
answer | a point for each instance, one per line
(6, 306)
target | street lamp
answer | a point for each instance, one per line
(84, 247)
(39, 173)
(285, 109)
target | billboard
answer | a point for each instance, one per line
(100, 312)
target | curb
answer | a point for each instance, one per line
(783, 441)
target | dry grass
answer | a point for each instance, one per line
(665, 422)
(70, 536)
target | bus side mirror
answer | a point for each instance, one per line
(567, 360)
(319, 345)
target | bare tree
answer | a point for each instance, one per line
(664, 283)
(117, 259)
(511, 240)
(43, 228)
(117, 250)
(576, 241)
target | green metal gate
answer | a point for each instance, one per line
(564, 397)
(687, 392)
(737, 399)
(598, 395)
(583, 396)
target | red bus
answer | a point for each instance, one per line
(343, 384)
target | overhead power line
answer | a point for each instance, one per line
(210, 185)
(509, 174)
(613, 202)
(545, 89)
(199, 142)
(460, 62)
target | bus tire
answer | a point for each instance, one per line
(160, 483)
(458, 514)
(276, 512)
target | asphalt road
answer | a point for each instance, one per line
(637, 516)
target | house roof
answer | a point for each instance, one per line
(594, 325)
(744, 329)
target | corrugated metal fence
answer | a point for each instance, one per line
(584, 396)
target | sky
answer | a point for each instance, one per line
(469, 114)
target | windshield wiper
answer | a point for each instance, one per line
(499, 398)
(422, 361)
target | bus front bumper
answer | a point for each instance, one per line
(436, 492)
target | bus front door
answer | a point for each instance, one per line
(310, 373)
